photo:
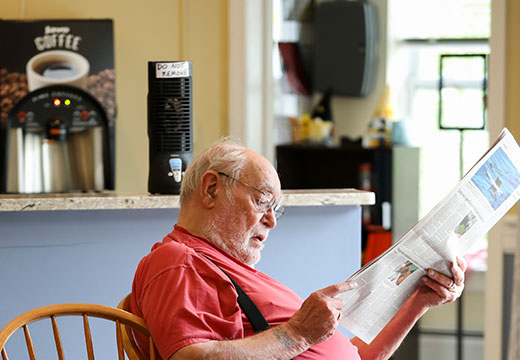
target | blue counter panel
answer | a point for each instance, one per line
(49, 257)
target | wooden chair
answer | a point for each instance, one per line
(123, 320)
(129, 343)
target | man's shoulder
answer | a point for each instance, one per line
(167, 260)
(175, 262)
(178, 249)
(176, 242)
(170, 251)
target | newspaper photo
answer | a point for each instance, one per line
(487, 191)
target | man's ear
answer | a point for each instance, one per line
(209, 188)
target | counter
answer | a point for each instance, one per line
(85, 248)
(114, 201)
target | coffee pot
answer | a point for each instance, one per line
(56, 141)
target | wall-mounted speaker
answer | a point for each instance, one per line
(170, 128)
(345, 60)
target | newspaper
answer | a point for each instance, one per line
(464, 216)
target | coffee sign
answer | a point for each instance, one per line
(57, 37)
(75, 52)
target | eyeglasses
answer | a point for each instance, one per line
(266, 201)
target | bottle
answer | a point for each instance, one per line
(365, 183)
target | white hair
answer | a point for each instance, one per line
(224, 155)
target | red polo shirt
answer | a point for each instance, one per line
(186, 299)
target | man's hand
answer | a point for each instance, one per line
(440, 289)
(319, 315)
(437, 289)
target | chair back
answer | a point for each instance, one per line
(129, 343)
(122, 319)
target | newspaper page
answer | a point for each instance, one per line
(464, 216)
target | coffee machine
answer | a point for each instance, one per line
(57, 106)
(56, 141)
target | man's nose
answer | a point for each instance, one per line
(269, 220)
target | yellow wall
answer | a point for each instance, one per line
(512, 103)
(164, 30)
(513, 68)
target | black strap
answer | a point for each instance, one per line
(253, 314)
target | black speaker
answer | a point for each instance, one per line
(170, 128)
(345, 60)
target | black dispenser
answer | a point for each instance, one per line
(170, 129)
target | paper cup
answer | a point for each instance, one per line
(57, 67)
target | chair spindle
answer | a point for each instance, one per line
(29, 343)
(152, 348)
(88, 338)
(57, 338)
(119, 339)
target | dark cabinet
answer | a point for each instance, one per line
(303, 166)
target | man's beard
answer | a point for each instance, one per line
(238, 244)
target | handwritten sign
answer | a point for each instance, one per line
(172, 69)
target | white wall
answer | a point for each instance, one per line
(352, 115)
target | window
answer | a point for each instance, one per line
(420, 34)
(420, 31)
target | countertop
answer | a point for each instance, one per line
(118, 201)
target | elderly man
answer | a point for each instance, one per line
(229, 203)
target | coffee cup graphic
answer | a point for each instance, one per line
(57, 67)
